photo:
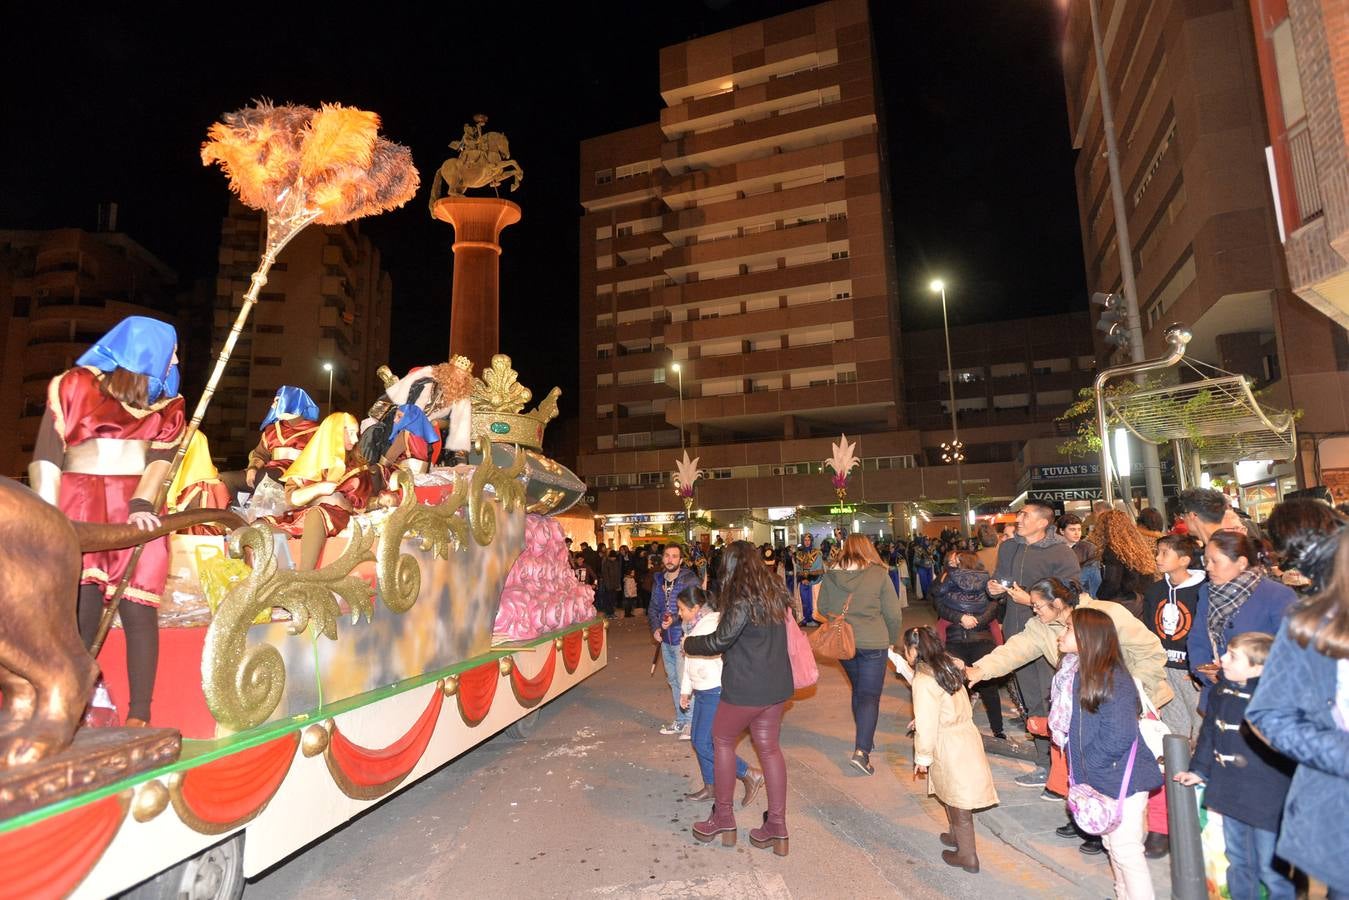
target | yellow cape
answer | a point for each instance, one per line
(324, 458)
(196, 467)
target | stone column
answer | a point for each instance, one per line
(474, 302)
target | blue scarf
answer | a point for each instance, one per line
(412, 420)
(141, 345)
(291, 401)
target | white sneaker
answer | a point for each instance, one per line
(672, 728)
(686, 733)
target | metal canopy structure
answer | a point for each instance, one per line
(1218, 416)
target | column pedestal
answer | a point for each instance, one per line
(474, 301)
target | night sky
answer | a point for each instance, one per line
(108, 104)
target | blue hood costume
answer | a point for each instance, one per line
(412, 420)
(291, 401)
(141, 345)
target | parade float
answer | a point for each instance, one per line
(289, 701)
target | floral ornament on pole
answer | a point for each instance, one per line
(686, 473)
(842, 462)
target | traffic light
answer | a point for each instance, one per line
(1113, 319)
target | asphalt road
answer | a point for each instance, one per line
(592, 806)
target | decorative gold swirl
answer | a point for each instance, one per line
(440, 528)
(482, 514)
(244, 685)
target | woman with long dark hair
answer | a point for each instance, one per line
(756, 683)
(1301, 708)
(1104, 744)
(946, 745)
(1128, 560)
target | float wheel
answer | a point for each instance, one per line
(213, 874)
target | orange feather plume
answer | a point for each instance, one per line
(334, 154)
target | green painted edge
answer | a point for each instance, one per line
(196, 753)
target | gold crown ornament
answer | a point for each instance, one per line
(498, 401)
(462, 362)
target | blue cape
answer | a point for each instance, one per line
(414, 421)
(291, 401)
(141, 345)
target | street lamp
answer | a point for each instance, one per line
(939, 287)
(328, 367)
(680, 372)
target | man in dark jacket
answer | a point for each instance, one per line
(666, 628)
(1038, 551)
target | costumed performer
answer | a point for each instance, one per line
(288, 427)
(197, 485)
(104, 446)
(414, 442)
(809, 571)
(459, 393)
(326, 485)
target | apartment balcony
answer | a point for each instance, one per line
(762, 170)
(633, 393)
(758, 98)
(821, 273)
(760, 322)
(828, 401)
(621, 271)
(766, 362)
(620, 191)
(760, 247)
(821, 124)
(779, 205)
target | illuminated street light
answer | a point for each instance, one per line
(328, 367)
(680, 372)
(939, 287)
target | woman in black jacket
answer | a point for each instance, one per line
(756, 683)
(962, 600)
(1128, 560)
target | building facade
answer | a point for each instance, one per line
(61, 290)
(1303, 51)
(326, 301)
(1191, 129)
(738, 297)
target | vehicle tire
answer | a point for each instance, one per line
(522, 728)
(214, 874)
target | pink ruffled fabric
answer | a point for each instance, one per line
(541, 593)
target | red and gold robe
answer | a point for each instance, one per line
(97, 485)
(281, 443)
(352, 494)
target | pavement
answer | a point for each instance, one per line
(592, 806)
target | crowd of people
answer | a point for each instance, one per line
(1108, 632)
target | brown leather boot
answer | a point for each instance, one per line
(962, 821)
(703, 793)
(948, 837)
(770, 834)
(753, 782)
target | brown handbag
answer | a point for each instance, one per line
(834, 638)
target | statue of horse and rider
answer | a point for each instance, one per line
(483, 161)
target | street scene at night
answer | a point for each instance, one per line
(741, 448)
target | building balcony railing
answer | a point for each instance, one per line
(762, 321)
(1306, 186)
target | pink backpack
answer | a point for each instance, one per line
(804, 670)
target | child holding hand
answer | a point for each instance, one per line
(1247, 779)
(947, 746)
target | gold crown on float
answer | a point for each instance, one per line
(498, 398)
(462, 362)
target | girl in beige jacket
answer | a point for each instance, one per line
(946, 744)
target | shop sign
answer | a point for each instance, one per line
(1065, 495)
(846, 509)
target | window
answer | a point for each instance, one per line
(604, 176)
(604, 321)
(625, 231)
(1007, 370)
(1011, 401)
(604, 442)
(604, 379)
(839, 254)
(604, 411)
(842, 295)
(658, 376)
(963, 376)
(604, 351)
(1169, 292)
(604, 233)
(1049, 366)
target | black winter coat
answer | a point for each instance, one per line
(964, 592)
(1247, 779)
(755, 667)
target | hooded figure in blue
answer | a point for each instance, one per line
(141, 345)
(293, 403)
(413, 439)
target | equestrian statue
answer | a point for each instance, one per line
(483, 161)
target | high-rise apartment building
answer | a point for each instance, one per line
(326, 301)
(738, 297)
(1303, 50)
(1206, 243)
(61, 290)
